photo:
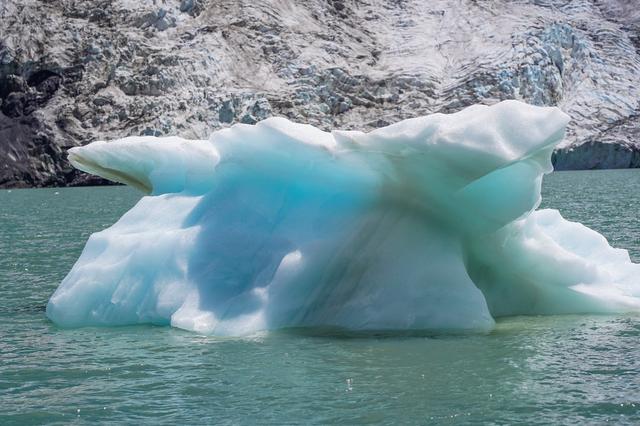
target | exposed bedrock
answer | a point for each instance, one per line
(73, 71)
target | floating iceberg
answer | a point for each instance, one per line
(429, 223)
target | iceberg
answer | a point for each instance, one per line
(428, 224)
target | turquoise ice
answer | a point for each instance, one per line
(430, 223)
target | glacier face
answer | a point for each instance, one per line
(78, 71)
(429, 223)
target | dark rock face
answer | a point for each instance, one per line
(30, 155)
(30, 158)
(80, 71)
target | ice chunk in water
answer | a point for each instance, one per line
(429, 223)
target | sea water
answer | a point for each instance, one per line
(574, 369)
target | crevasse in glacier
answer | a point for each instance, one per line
(429, 223)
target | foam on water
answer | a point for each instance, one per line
(429, 223)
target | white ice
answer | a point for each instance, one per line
(429, 223)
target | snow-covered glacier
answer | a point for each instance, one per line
(429, 223)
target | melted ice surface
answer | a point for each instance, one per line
(429, 223)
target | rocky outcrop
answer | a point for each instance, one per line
(75, 71)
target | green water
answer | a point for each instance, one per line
(530, 370)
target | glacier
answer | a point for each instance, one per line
(426, 224)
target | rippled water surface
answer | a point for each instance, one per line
(545, 370)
